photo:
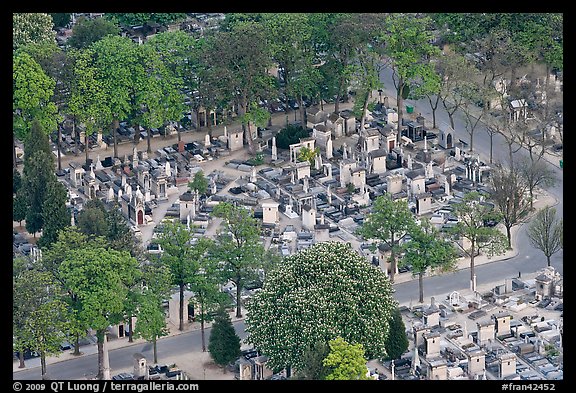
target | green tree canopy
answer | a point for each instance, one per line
(427, 250)
(224, 343)
(345, 361)
(388, 222)
(397, 341)
(237, 246)
(316, 295)
(30, 27)
(86, 31)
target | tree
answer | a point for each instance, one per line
(92, 219)
(474, 95)
(19, 207)
(241, 59)
(207, 293)
(316, 295)
(69, 240)
(151, 322)
(199, 183)
(61, 19)
(32, 91)
(289, 39)
(224, 343)
(178, 51)
(536, 174)
(388, 222)
(119, 235)
(546, 231)
(306, 154)
(86, 31)
(36, 141)
(56, 64)
(289, 135)
(97, 276)
(453, 70)
(114, 59)
(30, 27)
(21, 308)
(181, 257)
(16, 181)
(313, 358)
(37, 299)
(407, 43)
(55, 214)
(427, 250)
(397, 342)
(345, 361)
(87, 101)
(157, 95)
(471, 214)
(237, 246)
(142, 18)
(37, 177)
(508, 193)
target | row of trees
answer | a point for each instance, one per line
(319, 56)
(100, 277)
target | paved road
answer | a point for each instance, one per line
(528, 260)
(86, 366)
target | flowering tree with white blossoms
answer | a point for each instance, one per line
(318, 294)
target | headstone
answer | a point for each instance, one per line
(225, 132)
(425, 144)
(253, 178)
(318, 162)
(207, 140)
(99, 163)
(329, 195)
(329, 153)
(168, 172)
(110, 195)
(344, 151)
(181, 145)
(119, 195)
(409, 164)
(429, 172)
(144, 155)
(214, 188)
(457, 155)
(134, 157)
(293, 177)
(306, 184)
(92, 175)
(274, 148)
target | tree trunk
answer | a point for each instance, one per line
(177, 131)
(115, 126)
(14, 151)
(364, 109)
(202, 325)
(302, 112)
(130, 328)
(197, 112)
(509, 235)
(76, 344)
(548, 259)
(337, 102)
(472, 255)
(43, 366)
(238, 300)
(181, 327)
(421, 286)
(59, 145)
(400, 102)
(149, 137)
(101, 336)
(21, 358)
(155, 350)
(86, 147)
(491, 146)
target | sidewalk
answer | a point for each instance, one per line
(197, 364)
